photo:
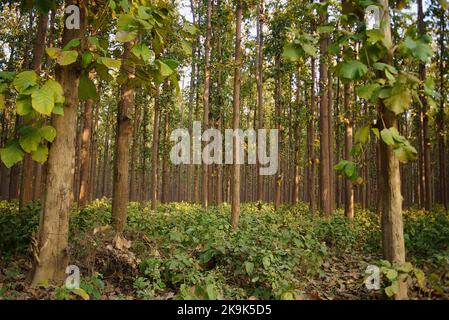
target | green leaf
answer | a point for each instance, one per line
(29, 138)
(362, 135)
(382, 66)
(309, 49)
(392, 290)
(40, 154)
(72, 44)
(350, 170)
(53, 53)
(23, 105)
(352, 70)
(56, 88)
(366, 92)
(109, 62)
(67, 57)
(42, 100)
(25, 80)
(391, 274)
(125, 36)
(80, 292)
(374, 35)
(420, 277)
(142, 51)
(2, 102)
(399, 100)
(186, 47)
(7, 75)
(87, 89)
(340, 166)
(249, 267)
(163, 68)
(87, 59)
(94, 41)
(58, 109)
(387, 137)
(48, 133)
(11, 154)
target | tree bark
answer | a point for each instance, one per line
(120, 196)
(51, 257)
(85, 151)
(27, 185)
(325, 175)
(235, 205)
(392, 224)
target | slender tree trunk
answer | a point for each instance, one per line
(85, 151)
(311, 173)
(278, 107)
(349, 187)
(259, 83)
(120, 190)
(133, 185)
(165, 173)
(235, 206)
(205, 185)
(155, 151)
(425, 121)
(325, 181)
(392, 225)
(27, 185)
(441, 122)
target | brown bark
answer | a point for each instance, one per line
(259, 84)
(27, 185)
(85, 151)
(392, 224)
(133, 183)
(51, 253)
(235, 205)
(426, 174)
(155, 151)
(205, 185)
(278, 107)
(349, 187)
(325, 174)
(120, 189)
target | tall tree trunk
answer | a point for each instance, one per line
(440, 119)
(259, 83)
(205, 195)
(165, 174)
(297, 140)
(425, 121)
(392, 224)
(278, 107)
(325, 174)
(155, 151)
(235, 205)
(133, 185)
(349, 187)
(85, 151)
(120, 196)
(51, 253)
(27, 185)
(311, 173)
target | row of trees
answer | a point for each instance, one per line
(91, 117)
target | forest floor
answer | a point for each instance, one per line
(183, 252)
